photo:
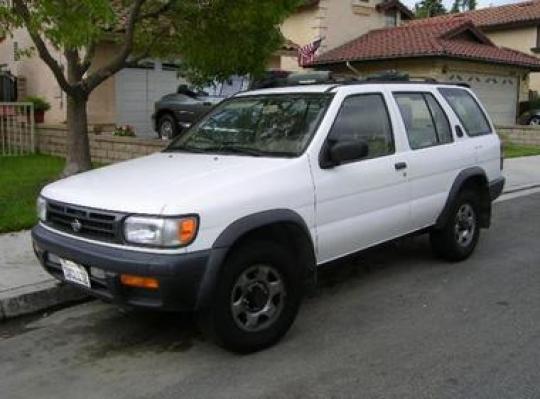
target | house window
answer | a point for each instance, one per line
(390, 19)
(15, 51)
(538, 37)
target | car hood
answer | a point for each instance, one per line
(163, 183)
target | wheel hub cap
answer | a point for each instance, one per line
(257, 298)
(465, 225)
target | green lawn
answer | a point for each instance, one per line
(513, 150)
(21, 179)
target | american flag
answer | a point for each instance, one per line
(306, 54)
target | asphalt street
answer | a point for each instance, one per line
(393, 322)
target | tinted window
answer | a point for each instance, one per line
(365, 118)
(442, 126)
(273, 125)
(466, 108)
(424, 120)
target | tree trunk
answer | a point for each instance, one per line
(78, 148)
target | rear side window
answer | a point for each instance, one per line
(365, 118)
(468, 111)
(424, 120)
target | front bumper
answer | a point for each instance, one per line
(180, 275)
(496, 187)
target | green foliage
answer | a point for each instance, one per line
(429, 8)
(463, 5)
(214, 38)
(40, 103)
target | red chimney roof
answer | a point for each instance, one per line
(455, 38)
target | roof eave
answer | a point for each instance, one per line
(531, 67)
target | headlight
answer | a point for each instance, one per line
(41, 208)
(160, 232)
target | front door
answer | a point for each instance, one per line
(363, 202)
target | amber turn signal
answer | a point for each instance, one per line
(139, 281)
(187, 228)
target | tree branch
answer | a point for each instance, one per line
(88, 57)
(44, 53)
(156, 13)
(96, 78)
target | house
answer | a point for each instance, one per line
(337, 22)
(452, 50)
(516, 26)
(129, 96)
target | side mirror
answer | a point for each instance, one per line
(340, 152)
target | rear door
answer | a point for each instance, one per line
(363, 202)
(435, 154)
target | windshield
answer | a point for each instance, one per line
(271, 125)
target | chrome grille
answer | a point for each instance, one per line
(84, 222)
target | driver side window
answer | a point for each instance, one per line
(365, 118)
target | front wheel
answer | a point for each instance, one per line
(458, 237)
(257, 298)
(535, 121)
(167, 128)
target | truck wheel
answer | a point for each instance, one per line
(458, 238)
(256, 300)
(167, 128)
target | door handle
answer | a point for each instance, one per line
(400, 165)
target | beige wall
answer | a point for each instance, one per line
(39, 79)
(303, 26)
(346, 20)
(518, 39)
(102, 101)
(41, 82)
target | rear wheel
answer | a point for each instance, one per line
(458, 238)
(257, 298)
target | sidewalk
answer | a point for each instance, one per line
(521, 173)
(26, 288)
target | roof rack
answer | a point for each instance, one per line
(329, 77)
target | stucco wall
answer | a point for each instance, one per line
(102, 101)
(303, 26)
(345, 21)
(518, 39)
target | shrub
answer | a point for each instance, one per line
(124, 131)
(40, 103)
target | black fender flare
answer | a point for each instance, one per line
(459, 181)
(235, 231)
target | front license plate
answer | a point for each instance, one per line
(75, 273)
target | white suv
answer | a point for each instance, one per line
(233, 217)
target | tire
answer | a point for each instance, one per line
(458, 238)
(167, 127)
(240, 318)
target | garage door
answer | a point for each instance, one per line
(499, 94)
(137, 90)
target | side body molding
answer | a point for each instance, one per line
(236, 230)
(461, 179)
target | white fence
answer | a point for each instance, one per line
(17, 128)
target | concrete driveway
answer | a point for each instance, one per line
(392, 323)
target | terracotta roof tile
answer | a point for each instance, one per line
(525, 13)
(454, 38)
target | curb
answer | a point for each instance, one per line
(521, 188)
(36, 297)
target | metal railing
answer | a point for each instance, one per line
(17, 128)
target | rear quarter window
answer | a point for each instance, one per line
(467, 110)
